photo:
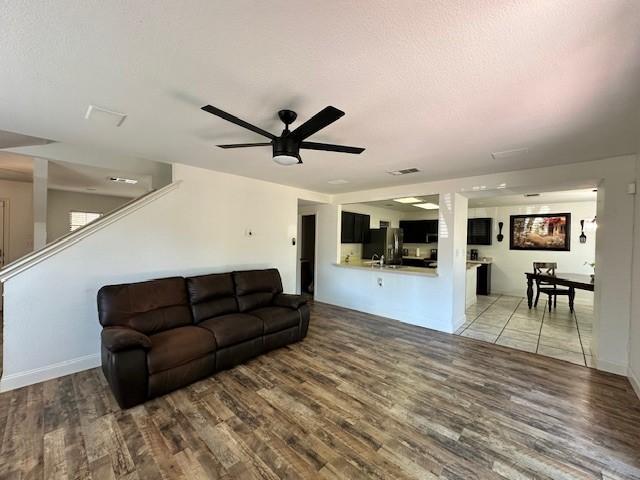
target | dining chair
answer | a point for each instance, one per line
(547, 286)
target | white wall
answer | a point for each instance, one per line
(634, 331)
(198, 228)
(20, 196)
(507, 270)
(60, 203)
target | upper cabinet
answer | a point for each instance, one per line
(355, 227)
(419, 231)
(479, 231)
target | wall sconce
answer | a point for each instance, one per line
(583, 237)
(591, 227)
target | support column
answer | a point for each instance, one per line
(40, 181)
(452, 255)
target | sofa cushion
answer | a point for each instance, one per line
(148, 307)
(175, 347)
(289, 301)
(233, 328)
(118, 339)
(277, 318)
(256, 288)
(212, 295)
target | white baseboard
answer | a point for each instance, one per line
(611, 367)
(634, 379)
(461, 321)
(29, 377)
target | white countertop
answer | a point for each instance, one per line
(481, 262)
(402, 269)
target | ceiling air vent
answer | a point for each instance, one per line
(531, 194)
(404, 171)
(509, 153)
(105, 116)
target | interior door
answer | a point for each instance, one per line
(308, 254)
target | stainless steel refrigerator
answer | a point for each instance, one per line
(384, 241)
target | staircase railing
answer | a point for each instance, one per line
(71, 238)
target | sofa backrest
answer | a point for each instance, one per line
(147, 307)
(256, 288)
(212, 295)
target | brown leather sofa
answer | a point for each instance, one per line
(164, 334)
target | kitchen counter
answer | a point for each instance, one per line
(400, 269)
(487, 261)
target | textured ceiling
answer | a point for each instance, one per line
(437, 85)
(74, 177)
(12, 140)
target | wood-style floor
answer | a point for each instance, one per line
(360, 397)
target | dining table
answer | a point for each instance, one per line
(574, 281)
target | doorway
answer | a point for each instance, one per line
(307, 254)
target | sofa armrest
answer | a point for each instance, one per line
(289, 301)
(117, 339)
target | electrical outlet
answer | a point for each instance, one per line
(380, 281)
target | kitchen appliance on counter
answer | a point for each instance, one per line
(473, 254)
(384, 241)
(434, 254)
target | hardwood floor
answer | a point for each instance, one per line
(361, 397)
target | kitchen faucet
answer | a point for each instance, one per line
(376, 256)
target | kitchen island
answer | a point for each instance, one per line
(400, 269)
(471, 286)
(409, 294)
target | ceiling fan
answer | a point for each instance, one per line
(286, 147)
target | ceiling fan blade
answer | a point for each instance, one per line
(331, 148)
(324, 117)
(243, 145)
(233, 119)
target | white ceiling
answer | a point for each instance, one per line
(569, 196)
(73, 177)
(405, 207)
(12, 140)
(434, 85)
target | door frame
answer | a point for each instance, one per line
(5, 230)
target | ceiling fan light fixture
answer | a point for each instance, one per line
(286, 159)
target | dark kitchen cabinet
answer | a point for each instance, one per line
(432, 227)
(415, 262)
(479, 231)
(419, 231)
(483, 286)
(355, 227)
(348, 227)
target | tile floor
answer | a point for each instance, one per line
(506, 320)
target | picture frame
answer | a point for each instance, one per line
(540, 231)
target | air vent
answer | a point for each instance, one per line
(509, 153)
(105, 116)
(338, 181)
(404, 171)
(531, 194)
(129, 181)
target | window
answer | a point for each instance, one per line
(80, 219)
